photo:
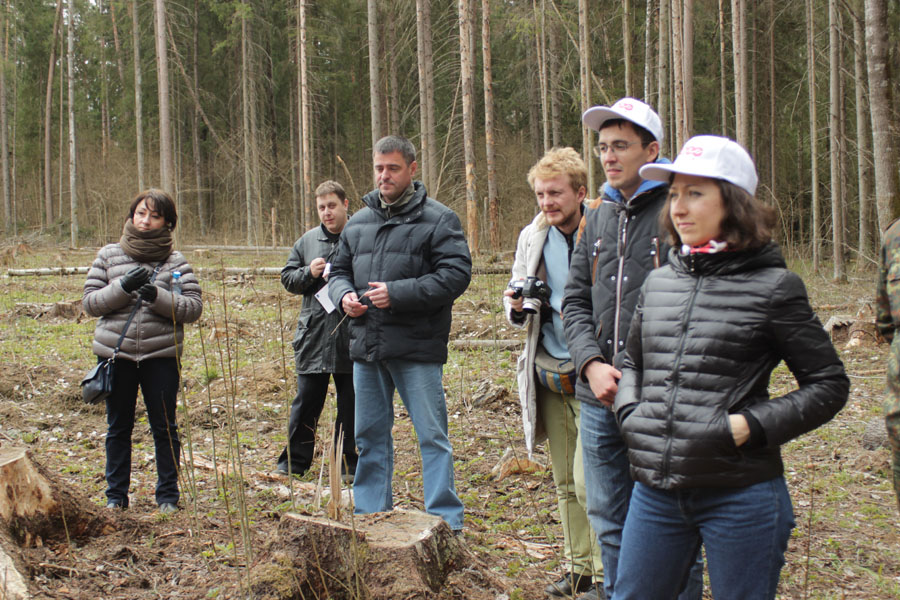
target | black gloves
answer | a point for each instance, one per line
(135, 278)
(148, 292)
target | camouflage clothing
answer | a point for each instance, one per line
(888, 321)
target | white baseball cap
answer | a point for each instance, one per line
(629, 109)
(709, 156)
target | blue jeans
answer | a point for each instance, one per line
(158, 379)
(745, 532)
(608, 485)
(422, 392)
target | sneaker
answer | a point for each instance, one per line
(167, 508)
(595, 593)
(115, 505)
(564, 588)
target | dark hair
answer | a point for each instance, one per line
(395, 143)
(157, 201)
(748, 222)
(331, 187)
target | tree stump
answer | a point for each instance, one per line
(399, 554)
(35, 508)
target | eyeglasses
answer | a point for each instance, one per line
(616, 147)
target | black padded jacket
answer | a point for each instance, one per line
(421, 253)
(619, 245)
(707, 333)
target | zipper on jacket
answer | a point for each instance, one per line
(595, 254)
(670, 401)
(623, 239)
(654, 251)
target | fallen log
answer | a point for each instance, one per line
(473, 344)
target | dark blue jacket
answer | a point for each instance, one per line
(421, 253)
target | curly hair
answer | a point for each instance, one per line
(560, 161)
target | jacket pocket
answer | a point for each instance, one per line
(302, 329)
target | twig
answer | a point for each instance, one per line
(72, 570)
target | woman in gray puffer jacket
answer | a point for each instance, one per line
(693, 404)
(143, 269)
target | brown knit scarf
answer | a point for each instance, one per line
(146, 246)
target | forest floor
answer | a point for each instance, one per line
(238, 383)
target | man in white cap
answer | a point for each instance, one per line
(620, 243)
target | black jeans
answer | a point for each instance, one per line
(305, 411)
(158, 379)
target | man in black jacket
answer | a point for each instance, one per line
(321, 344)
(620, 243)
(401, 262)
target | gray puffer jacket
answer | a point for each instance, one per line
(156, 330)
(322, 341)
(707, 333)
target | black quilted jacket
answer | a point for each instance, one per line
(620, 244)
(707, 333)
(422, 255)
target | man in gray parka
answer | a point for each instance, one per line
(321, 343)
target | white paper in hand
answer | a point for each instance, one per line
(324, 300)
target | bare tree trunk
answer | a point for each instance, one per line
(650, 57)
(554, 85)
(374, 78)
(426, 94)
(687, 42)
(195, 123)
(880, 82)
(678, 65)
(166, 162)
(306, 133)
(534, 99)
(120, 63)
(772, 116)
(488, 80)
(467, 74)
(541, 45)
(392, 77)
(723, 89)
(70, 65)
(626, 45)
(584, 60)
(663, 102)
(295, 194)
(834, 102)
(245, 113)
(138, 92)
(48, 105)
(863, 141)
(815, 225)
(8, 215)
(741, 85)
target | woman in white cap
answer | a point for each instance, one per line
(703, 434)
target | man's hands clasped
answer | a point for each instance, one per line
(377, 295)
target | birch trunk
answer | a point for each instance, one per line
(245, 130)
(687, 70)
(663, 87)
(9, 216)
(195, 124)
(305, 133)
(426, 94)
(584, 61)
(678, 67)
(626, 45)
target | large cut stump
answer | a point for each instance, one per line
(383, 556)
(35, 508)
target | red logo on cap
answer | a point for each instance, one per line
(626, 106)
(693, 150)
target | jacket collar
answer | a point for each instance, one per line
(373, 201)
(614, 195)
(728, 263)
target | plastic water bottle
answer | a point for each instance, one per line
(176, 282)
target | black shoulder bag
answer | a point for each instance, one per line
(97, 385)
